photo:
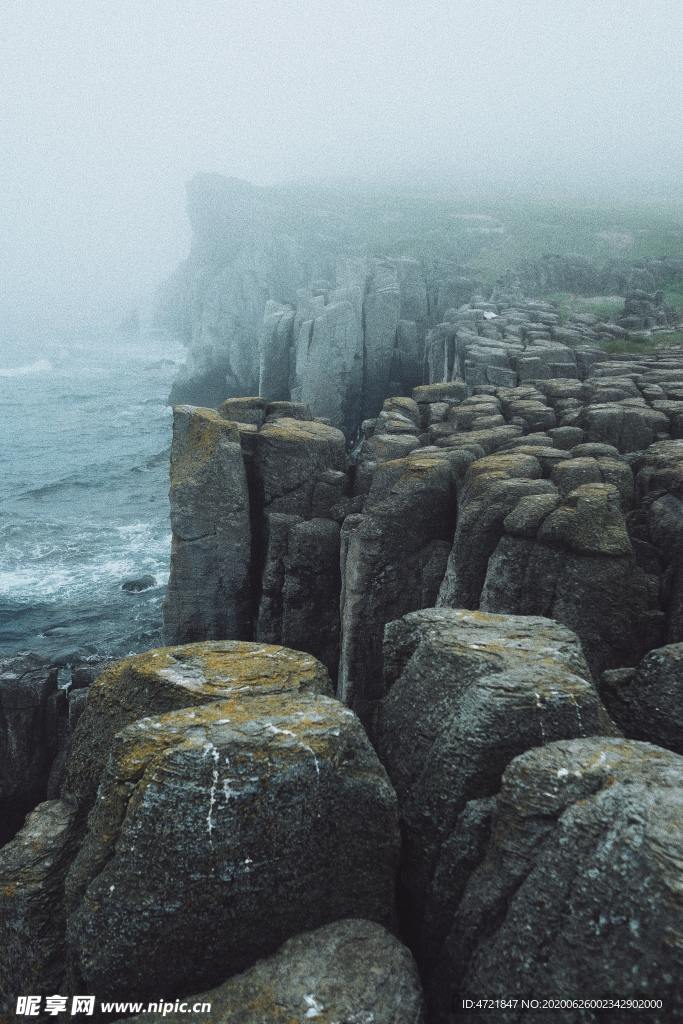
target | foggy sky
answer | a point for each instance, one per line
(108, 106)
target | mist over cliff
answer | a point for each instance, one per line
(108, 109)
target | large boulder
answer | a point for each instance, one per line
(172, 678)
(573, 561)
(352, 971)
(209, 594)
(225, 829)
(492, 488)
(467, 692)
(579, 894)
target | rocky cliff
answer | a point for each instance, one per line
(327, 298)
(416, 737)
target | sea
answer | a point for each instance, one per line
(85, 433)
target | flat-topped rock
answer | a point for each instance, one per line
(291, 455)
(170, 678)
(272, 810)
(244, 410)
(208, 593)
(467, 692)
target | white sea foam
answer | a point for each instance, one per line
(40, 366)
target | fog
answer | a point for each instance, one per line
(106, 108)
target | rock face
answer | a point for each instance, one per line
(647, 702)
(32, 870)
(579, 890)
(393, 556)
(348, 971)
(275, 813)
(208, 593)
(31, 712)
(467, 692)
(226, 765)
(522, 499)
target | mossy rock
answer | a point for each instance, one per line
(171, 678)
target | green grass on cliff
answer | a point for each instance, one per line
(605, 307)
(619, 346)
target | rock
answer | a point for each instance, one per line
(648, 703)
(83, 675)
(299, 604)
(31, 709)
(348, 971)
(173, 678)
(273, 810)
(291, 455)
(32, 869)
(492, 488)
(581, 570)
(140, 583)
(244, 410)
(276, 343)
(467, 692)
(393, 559)
(330, 362)
(209, 594)
(288, 410)
(381, 311)
(579, 890)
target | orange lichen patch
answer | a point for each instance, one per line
(169, 679)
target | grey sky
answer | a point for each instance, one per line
(106, 108)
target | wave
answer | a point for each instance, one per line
(60, 485)
(40, 366)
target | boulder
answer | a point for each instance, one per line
(351, 971)
(138, 584)
(273, 810)
(291, 455)
(171, 678)
(647, 703)
(579, 892)
(467, 692)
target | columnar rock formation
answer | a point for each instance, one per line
(330, 303)
(230, 797)
(556, 498)
(417, 739)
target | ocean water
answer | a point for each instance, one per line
(84, 444)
